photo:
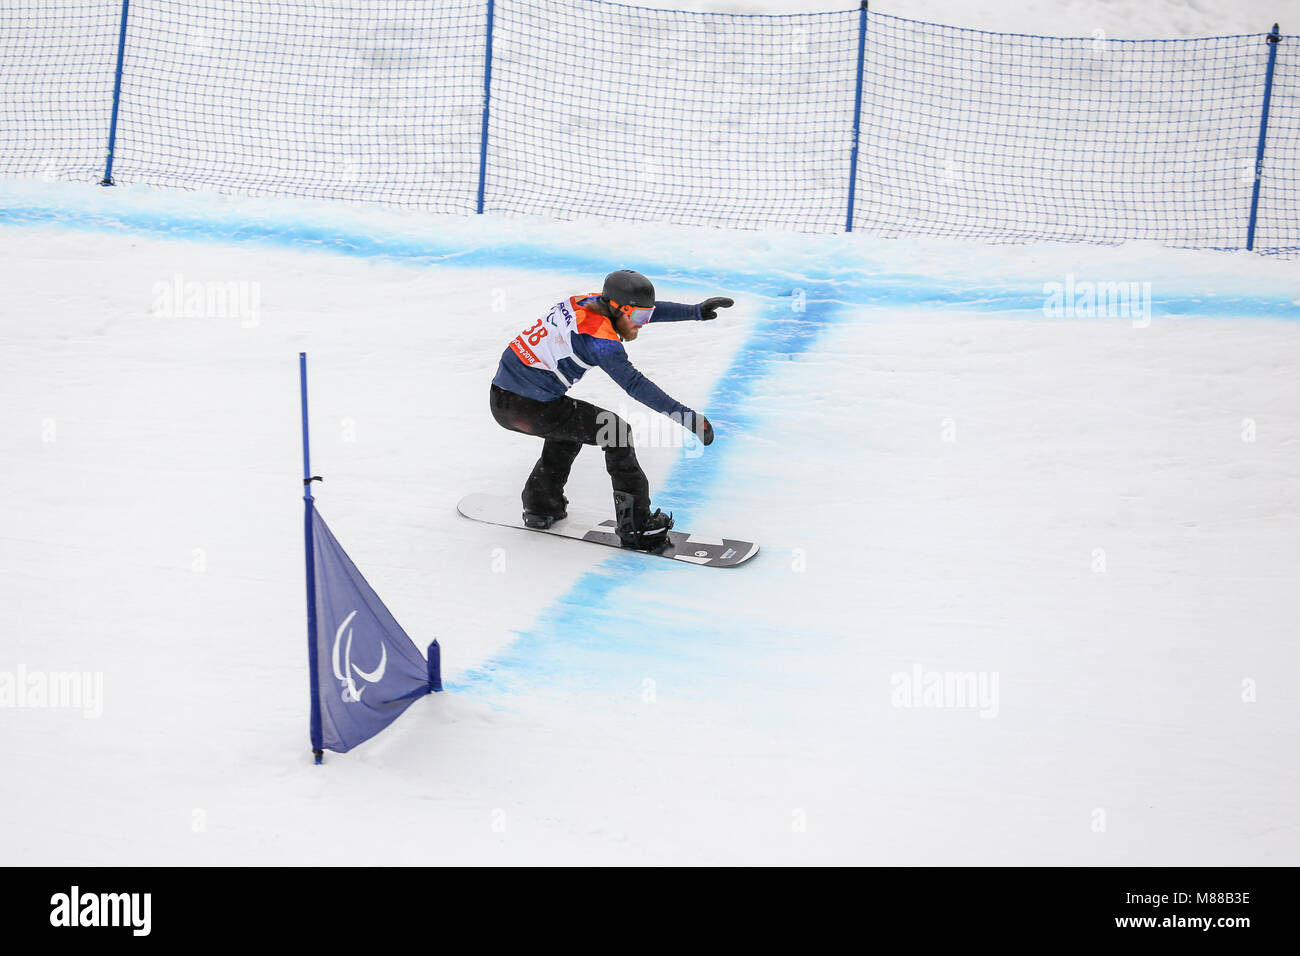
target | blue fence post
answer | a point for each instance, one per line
(117, 96)
(857, 114)
(308, 506)
(1274, 39)
(487, 101)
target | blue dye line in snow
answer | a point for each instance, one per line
(849, 284)
(574, 619)
(578, 620)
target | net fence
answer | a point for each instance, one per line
(57, 69)
(584, 108)
(1003, 137)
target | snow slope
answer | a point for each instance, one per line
(1096, 513)
(932, 464)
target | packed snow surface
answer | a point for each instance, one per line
(957, 472)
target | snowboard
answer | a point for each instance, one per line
(599, 529)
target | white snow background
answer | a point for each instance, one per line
(1099, 513)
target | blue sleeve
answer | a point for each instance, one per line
(676, 312)
(612, 357)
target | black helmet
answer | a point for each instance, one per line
(628, 288)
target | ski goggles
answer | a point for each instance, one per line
(638, 315)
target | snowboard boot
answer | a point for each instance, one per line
(540, 521)
(639, 528)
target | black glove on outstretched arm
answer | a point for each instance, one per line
(709, 308)
(703, 430)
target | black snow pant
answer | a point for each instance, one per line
(567, 424)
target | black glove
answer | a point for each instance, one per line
(703, 430)
(709, 308)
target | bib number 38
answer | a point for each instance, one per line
(536, 333)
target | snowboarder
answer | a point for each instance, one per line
(544, 361)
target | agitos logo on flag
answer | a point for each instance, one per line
(368, 670)
(365, 671)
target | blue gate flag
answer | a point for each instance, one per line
(367, 670)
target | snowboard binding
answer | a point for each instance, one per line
(541, 520)
(639, 528)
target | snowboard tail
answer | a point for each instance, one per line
(600, 529)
